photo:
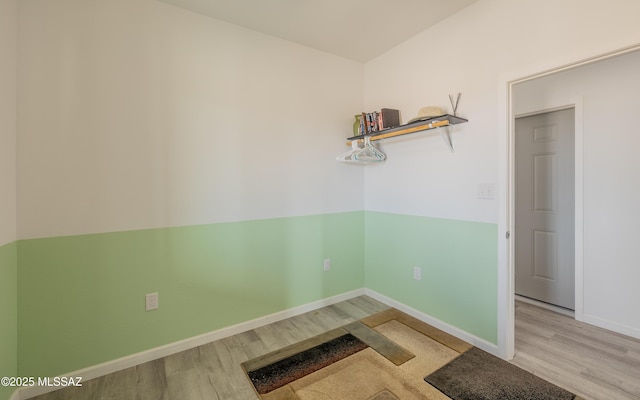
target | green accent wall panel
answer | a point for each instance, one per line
(458, 261)
(8, 315)
(81, 298)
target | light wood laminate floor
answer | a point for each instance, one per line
(213, 371)
(591, 362)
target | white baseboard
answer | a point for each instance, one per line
(450, 329)
(109, 367)
(546, 306)
(612, 326)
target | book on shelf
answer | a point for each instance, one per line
(376, 121)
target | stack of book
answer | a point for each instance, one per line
(377, 121)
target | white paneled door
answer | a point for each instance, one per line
(544, 224)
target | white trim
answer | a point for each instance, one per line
(527, 76)
(612, 326)
(578, 182)
(545, 111)
(506, 292)
(506, 280)
(108, 367)
(546, 306)
(577, 104)
(172, 348)
(450, 329)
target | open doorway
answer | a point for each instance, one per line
(605, 92)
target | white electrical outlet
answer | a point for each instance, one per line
(417, 273)
(151, 301)
(327, 264)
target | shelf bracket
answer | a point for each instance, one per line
(446, 136)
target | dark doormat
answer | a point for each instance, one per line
(478, 375)
(280, 373)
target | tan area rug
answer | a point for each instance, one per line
(374, 373)
(398, 358)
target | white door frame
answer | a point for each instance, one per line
(506, 215)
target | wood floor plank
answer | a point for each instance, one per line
(381, 317)
(587, 360)
(213, 371)
(634, 354)
(350, 310)
(120, 385)
(90, 390)
(562, 323)
(283, 393)
(436, 334)
(273, 337)
(595, 357)
(624, 385)
(380, 343)
(152, 381)
(370, 305)
(558, 376)
(291, 350)
(190, 385)
(182, 361)
(575, 355)
(525, 323)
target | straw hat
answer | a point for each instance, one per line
(427, 112)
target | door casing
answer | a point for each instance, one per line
(506, 317)
(506, 282)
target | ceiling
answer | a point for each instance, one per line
(356, 29)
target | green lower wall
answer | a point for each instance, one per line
(459, 268)
(8, 315)
(81, 298)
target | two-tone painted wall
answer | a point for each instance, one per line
(457, 261)
(477, 52)
(8, 246)
(164, 151)
(82, 297)
(8, 315)
(160, 150)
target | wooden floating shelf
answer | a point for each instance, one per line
(425, 125)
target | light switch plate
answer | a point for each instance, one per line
(486, 191)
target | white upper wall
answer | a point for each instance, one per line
(475, 52)
(8, 62)
(138, 114)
